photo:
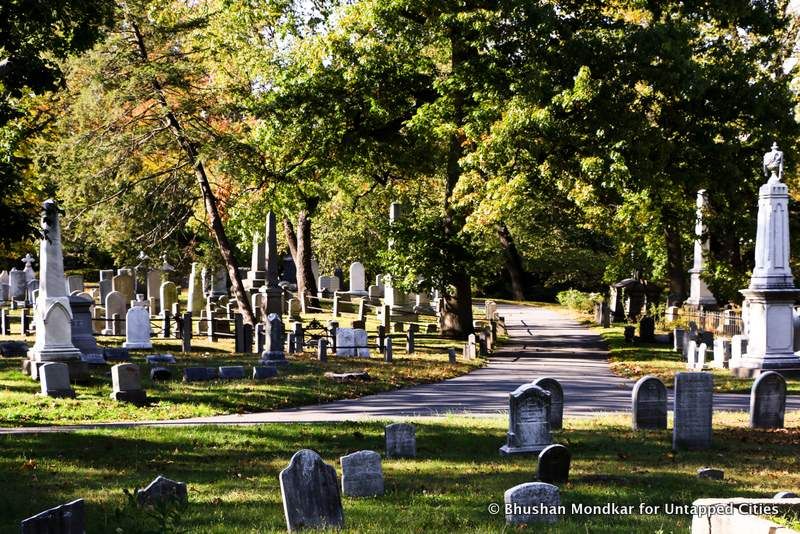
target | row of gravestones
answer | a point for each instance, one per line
(693, 406)
(695, 345)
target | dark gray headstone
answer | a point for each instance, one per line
(362, 475)
(552, 386)
(711, 473)
(13, 349)
(196, 374)
(694, 404)
(310, 493)
(528, 421)
(647, 329)
(68, 518)
(553, 466)
(649, 404)
(768, 401)
(160, 359)
(162, 489)
(158, 374)
(273, 353)
(82, 334)
(401, 440)
(231, 372)
(677, 339)
(523, 502)
(116, 354)
(261, 372)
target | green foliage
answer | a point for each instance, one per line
(578, 300)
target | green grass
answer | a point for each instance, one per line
(232, 473)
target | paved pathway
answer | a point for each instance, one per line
(543, 342)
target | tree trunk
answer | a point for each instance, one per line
(291, 238)
(513, 261)
(209, 199)
(675, 267)
(305, 274)
(456, 314)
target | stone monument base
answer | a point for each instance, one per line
(753, 367)
(273, 358)
(505, 450)
(137, 345)
(137, 397)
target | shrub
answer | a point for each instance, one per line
(578, 300)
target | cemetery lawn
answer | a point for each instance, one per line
(635, 360)
(232, 473)
(300, 383)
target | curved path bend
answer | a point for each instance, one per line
(543, 342)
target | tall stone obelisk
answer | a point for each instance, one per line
(771, 294)
(699, 294)
(53, 315)
(272, 299)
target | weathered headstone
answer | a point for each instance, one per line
(677, 339)
(261, 372)
(700, 358)
(358, 279)
(196, 374)
(362, 475)
(231, 372)
(401, 440)
(127, 384)
(82, 335)
(553, 465)
(17, 285)
(647, 329)
(160, 374)
(123, 283)
(528, 420)
(649, 404)
(722, 352)
(195, 301)
(552, 386)
(137, 329)
(116, 354)
(694, 402)
(351, 342)
(768, 401)
(54, 379)
(168, 296)
(525, 502)
(310, 493)
(69, 518)
(115, 306)
(273, 353)
(162, 489)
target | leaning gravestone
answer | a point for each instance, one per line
(362, 475)
(54, 378)
(126, 383)
(310, 493)
(401, 440)
(69, 518)
(553, 465)
(768, 401)
(528, 421)
(552, 386)
(162, 489)
(524, 501)
(694, 403)
(649, 404)
(137, 329)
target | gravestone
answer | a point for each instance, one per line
(160, 374)
(105, 288)
(528, 421)
(196, 374)
(231, 372)
(13, 349)
(261, 372)
(310, 493)
(649, 404)
(293, 307)
(69, 518)
(116, 354)
(168, 296)
(195, 301)
(710, 473)
(553, 465)
(127, 384)
(75, 283)
(351, 342)
(273, 353)
(115, 305)
(82, 335)
(162, 489)
(700, 357)
(768, 401)
(691, 354)
(694, 403)
(123, 283)
(647, 329)
(362, 475)
(677, 339)
(552, 386)
(17, 285)
(137, 329)
(358, 279)
(722, 352)
(401, 440)
(54, 379)
(156, 359)
(524, 502)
